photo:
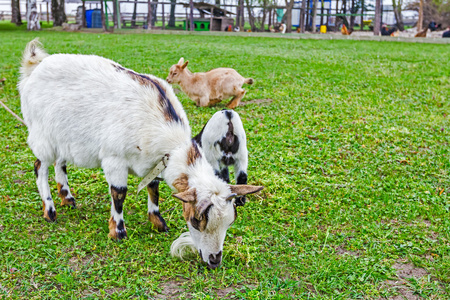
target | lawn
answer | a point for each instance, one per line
(349, 138)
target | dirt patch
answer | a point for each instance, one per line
(170, 290)
(342, 251)
(400, 285)
(257, 101)
(221, 294)
(78, 263)
(409, 271)
(18, 181)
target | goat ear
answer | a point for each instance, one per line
(181, 61)
(244, 189)
(187, 196)
(185, 64)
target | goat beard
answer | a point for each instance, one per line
(183, 245)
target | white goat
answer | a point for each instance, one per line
(224, 143)
(92, 112)
(211, 87)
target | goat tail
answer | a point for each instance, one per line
(249, 80)
(32, 56)
(182, 245)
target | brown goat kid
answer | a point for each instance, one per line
(209, 88)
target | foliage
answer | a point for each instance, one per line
(353, 151)
(433, 10)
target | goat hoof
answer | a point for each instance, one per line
(158, 221)
(117, 231)
(50, 215)
(121, 234)
(69, 202)
(240, 201)
(118, 235)
(164, 229)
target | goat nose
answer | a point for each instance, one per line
(215, 259)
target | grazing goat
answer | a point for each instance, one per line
(224, 143)
(92, 112)
(211, 87)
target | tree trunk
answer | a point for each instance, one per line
(172, 13)
(321, 12)
(242, 19)
(58, 13)
(32, 16)
(154, 12)
(133, 17)
(420, 21)
(302, 16)
(115, 14)
(251, 17)
(397, 6)
(308, 15)
(149, 15)
(362, 17)
(288, 14)
(314, 15)
(191, 15)
(15, 12)
(103, 15)
(263, 18)
(376, 28)
(352, 18)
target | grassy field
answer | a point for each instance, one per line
(350, 139)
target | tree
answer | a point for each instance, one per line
(313, 25)
(59, 16)
(397, 6)
(251, 16)
(172, 13)
(302, 16)
(32, 16)
(263, 14)
(15, 12)
(149, 15)
(377, 27)
(288, 14)
(433, 10)
(420, 22)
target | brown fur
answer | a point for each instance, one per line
(193, 154)
(46, 216)
(157, 221)
(190, 214)
(37, 166)
(63, 195)
(209, 88)
(112, 229)
(116, 195)
(181, 183)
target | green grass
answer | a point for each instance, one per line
(353, 152)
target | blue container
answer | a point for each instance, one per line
(94, 18)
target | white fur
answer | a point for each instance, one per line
(214, 131)
(80, 109)
(182, 245)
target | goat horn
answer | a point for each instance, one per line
(201, 208)
(231, 196)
